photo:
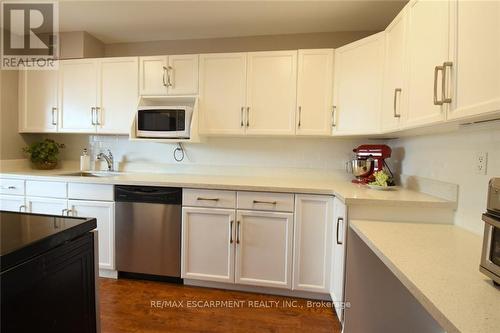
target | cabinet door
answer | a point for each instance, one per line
(271, 92)
(358, 86)
(40, 205)
(312, 242)
(476, 62)
(77, 95)
(182, 74)
(208, 244)
(395, 90)
(104, 212)
(153, 75)
(338, 255)
(427, 48)
(222, 93)
(12, 203)
(264, 249)
(314, 92)
(38, 101)
(118, 93)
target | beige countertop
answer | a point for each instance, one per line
(439, 264)
(298, 181)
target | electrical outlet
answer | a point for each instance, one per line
(481, 163)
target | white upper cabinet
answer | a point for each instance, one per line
(78, 95)
(97, 95)
(337, 275)
(182, 74)
(312, 242)
(208, 239)
(395, 91)
(222, 103)
(314, 92)
(38, 101)
(428, 40)
(476, 64)
(264, 249)
(153, 75)
(358, 86)
(168, 75)
(271, 93)
(118, 93)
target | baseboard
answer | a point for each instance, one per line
(258, 290)
(108, 273)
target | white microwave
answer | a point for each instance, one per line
(167, 122)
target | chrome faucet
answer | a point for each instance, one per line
(108, 158)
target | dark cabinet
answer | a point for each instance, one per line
(52, 292)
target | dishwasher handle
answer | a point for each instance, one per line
(148, 194)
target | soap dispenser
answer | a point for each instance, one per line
(84, 161)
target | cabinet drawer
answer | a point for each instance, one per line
(280, 202)
(99, 192)
(209, 198)
(46, 189)
(12, 186)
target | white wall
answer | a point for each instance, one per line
(450, 157)
(313, 153)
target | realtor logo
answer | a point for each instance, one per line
(29, 35)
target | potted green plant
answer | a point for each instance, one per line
(44, 154)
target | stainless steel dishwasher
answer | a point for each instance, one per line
(148, 232)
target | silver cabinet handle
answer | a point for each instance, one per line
(11, 187)
(22, 207)
(163, 77)
(334, 111)
(207, 199)
(248, 116)
(274, 203)
(169, 76)
(396, 91)
(92, 115)
(338, 223)
(54, 122)
(231, 232)
(241, 116)
(300, 116)
(63, 211)
(443, 81)
(238, 232)
(70, 211)
(436, 71)
(97, 115)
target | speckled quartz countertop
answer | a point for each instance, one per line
(439, 264)
(298, 181)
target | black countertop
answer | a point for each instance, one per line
(23, 235)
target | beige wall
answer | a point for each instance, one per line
(11, 142)
(236, 44)
(79, 44)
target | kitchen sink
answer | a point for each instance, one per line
(91, 174)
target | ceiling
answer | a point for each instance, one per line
(136, 21)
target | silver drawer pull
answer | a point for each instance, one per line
(207, 199)
(11, 187)
(265, 202)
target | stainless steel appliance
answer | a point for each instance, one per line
(148, 231)
(164, 122)
(490, 258)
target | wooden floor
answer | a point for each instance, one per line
(126, 307)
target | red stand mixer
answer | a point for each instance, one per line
(369, 159)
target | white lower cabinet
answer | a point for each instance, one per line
(208, 244)
(264, 249)
(104, 212)
(312, 242)
(338, 256)
(12, 203)
(42, 205)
